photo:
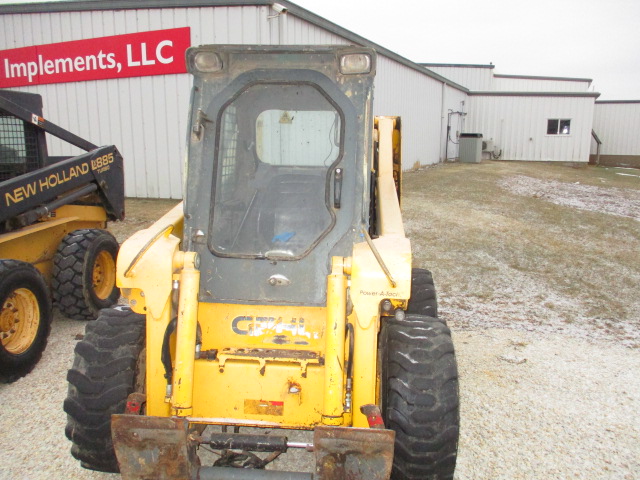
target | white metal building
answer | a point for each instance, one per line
(473, 77)
(531, 83)
(527, 118)
(144, 112)
(518, 124)
(617, 125)
(483, 78)
(145, 117)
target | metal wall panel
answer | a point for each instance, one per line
(518, 126)
(298, 32)
(509, 84)
(617, 125)
(418, 100)
(453, 100)
(483, 79)
(473, 78)
(146, 117)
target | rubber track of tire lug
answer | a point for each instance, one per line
(100, 380)
(426, 421)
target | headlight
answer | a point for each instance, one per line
(353, 63)
(208, 62)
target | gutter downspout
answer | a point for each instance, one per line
(442, 130)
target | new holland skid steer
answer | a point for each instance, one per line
(280, 294)
(53, 242)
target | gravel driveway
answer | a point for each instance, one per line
(544, 406)
(534, 406)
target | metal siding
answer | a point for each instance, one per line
(146, 117)
(457, 101)
(617, 125)
(300, 32)
(417, 99)
(518, 126)
(483, 79)
(538, 85)
(472, 78)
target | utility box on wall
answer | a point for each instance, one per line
(470, 147)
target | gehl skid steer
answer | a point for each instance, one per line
(53, 245)
(280, 295)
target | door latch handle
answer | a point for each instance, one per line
(337, 187)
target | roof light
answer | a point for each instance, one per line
(353, 63)
(208, 62)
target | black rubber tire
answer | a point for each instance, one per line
(106, 370)
(420, 399)
(423, 299)
(18, 360)
(72, 282)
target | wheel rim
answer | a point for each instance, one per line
(104, 275)
(19, 321)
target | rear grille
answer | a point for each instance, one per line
(18, 146)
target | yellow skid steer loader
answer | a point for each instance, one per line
(53, 239)
(280, 294)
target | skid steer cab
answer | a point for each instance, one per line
(280, 295)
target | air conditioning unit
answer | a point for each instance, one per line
(487, 145)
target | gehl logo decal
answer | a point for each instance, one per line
(258, 326)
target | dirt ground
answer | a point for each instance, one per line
(140, 213)
(548, 248)
(538, 272)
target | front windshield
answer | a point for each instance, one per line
(276, 145)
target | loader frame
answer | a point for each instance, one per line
(267, 325)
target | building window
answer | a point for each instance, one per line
(558, 126)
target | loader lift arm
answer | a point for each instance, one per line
(30, 196)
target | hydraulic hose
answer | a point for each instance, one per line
(351, 346)
(166, 350)
(349, 386)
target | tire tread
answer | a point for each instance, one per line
(69, 290)
(101, 378)
(13, 367)
(420, 397)
(423, 299)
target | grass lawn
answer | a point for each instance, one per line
(533, 246)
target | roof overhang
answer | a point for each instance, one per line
(535, 77)
(617, 101)
(457, 65)
(534, 94)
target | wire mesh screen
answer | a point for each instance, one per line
(18, 146)
(229, 152)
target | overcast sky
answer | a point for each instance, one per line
(597, 39)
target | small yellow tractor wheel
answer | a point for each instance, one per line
(108, 366)
(25, 318)
(84, 273)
